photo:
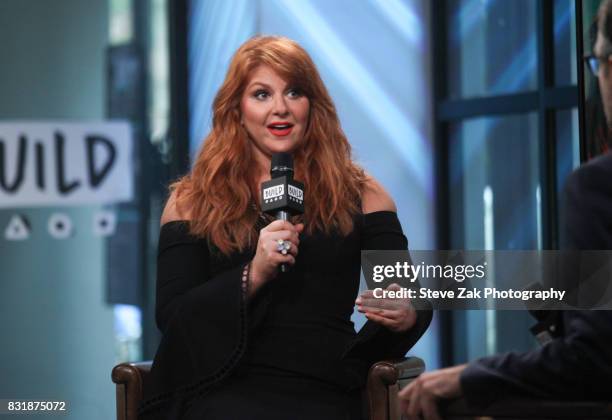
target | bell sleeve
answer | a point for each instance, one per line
(202, 316)
(382, 230)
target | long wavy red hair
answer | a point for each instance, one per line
(220, 190)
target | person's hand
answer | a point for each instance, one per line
(418, 400)
(396, 314)
(264, 265)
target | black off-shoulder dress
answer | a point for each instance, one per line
(291, 352)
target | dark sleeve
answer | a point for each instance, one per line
(202, 316)
(382, 231)
(587, 206)
(578, 364)
(182, 262)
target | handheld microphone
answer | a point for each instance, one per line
(282, 196)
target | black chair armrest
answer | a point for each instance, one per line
(385, 379)
(129, 378)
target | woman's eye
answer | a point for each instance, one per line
(294, 93)
(261, 94)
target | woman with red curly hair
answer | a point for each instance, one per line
(241, 340)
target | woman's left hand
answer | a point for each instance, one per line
(396, 314)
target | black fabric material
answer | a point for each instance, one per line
(194, 298)
(295, 331)
(260, 394)
(577, 364)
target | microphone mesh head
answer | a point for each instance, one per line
(282, 164)
(282, 159)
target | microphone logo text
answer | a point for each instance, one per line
(274, 191)
(295, 192)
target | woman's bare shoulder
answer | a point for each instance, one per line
(375, 198)
(174, 210)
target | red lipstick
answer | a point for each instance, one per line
(280, 129)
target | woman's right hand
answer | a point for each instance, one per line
(265, 264)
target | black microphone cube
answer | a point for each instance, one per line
(282, 194)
